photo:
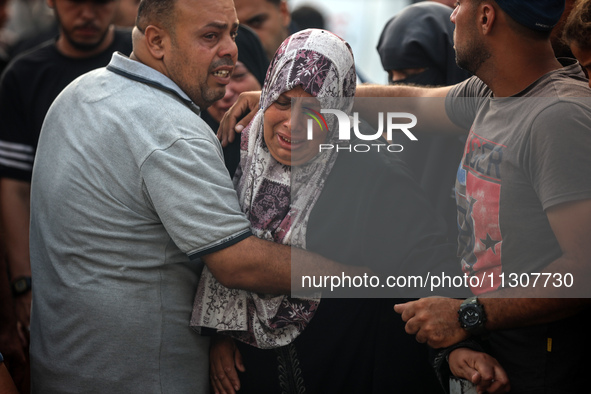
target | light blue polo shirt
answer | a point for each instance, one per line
(129, 188)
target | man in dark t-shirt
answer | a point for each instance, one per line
(28, 86)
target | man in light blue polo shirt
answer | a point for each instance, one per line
(129, 195)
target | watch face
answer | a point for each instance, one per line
(20, 285)
(470, 315)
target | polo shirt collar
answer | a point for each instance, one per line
(122, 65)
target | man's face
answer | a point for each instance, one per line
(269, 21)
(202, 52)
(84, 23)
(471, 51)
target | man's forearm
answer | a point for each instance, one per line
(15, 206)
(427, 104)
(375, 90)
(266, 267)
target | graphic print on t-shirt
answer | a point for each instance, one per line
(478, 191)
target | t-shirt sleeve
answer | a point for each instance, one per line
(17, 151)
(463, 100)
(559, 161)
(191, 191)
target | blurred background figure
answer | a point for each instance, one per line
(270, 20)
(126, 13)
(3, 44)
(449, 3)
(308, 16)
(24, 33)
(30, 22)
(577, 34)
(248, 75)
(416, 47)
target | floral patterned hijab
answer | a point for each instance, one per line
(277, 198)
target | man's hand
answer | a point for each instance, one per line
(479, 368)
(244, 110)
(22, 306)
(224, 360)
(433, 321)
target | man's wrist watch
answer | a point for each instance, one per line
(471, 316)
(21, 285)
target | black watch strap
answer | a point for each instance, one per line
(21, 285)
(472, 316)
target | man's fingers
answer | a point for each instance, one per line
(234, 119)
(245, 121)
(494, 377)
(232, 378)
(216, 384)
(399, 308)
(412, 327)
(406, 310)
(421, 338)
(223, 375)
(500, 382)
(225, 382)
(238, 361)
(499, 387)
(220, 379)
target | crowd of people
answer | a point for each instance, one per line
(162, 195)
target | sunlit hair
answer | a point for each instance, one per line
(577, 29)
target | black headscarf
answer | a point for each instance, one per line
(421, 36)
(251, 53)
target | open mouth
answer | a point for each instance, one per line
(287, 140)
(221, 73)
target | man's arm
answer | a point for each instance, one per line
(427, 104)
(267, 267)
(435, 320)
(15, 206)
(15, 202)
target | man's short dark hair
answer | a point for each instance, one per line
(156, 12)
(577, 29)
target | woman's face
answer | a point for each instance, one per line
(242, 80)
(285, 129)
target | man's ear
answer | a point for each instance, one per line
(284, 11)
(157, 40)
(486, 17)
